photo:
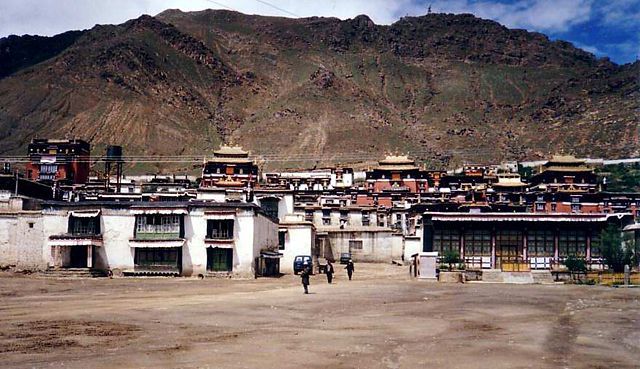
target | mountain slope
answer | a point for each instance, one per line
(447, 88)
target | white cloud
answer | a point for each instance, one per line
(539, 15)
(49, 17)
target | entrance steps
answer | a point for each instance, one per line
(73, 273)
(492, 275)
(531, 277)
(517, 277)
(542, 276)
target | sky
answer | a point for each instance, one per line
(606, 28)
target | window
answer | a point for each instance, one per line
(575, 200)
(596, 252)
(220, 229)
(575, 208)
(163, 226)
(365, 219)
(147, 258)
(477, 242)
(355, 245)
(540, 207)
(270, 207)
(554, 207)
(84, 226)
(308, 215)
(540, 243)
(48, 169)
(30, 224)
(281, 240)
(572, 242)
(446, 240)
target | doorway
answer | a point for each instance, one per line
(219, 260)
(78, 257)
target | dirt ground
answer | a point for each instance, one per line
(381, 319)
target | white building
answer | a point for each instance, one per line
(165, 238)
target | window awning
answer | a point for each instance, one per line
(270, 255)
(159, 211)
(156, 244)
(219, 216)
(219, 245)
(70, 242)
(85, 213)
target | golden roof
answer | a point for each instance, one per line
(565, 159)
(226, 150)
(397, 162)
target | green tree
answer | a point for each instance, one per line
(451, 257)
(575, 264)
(615, 255)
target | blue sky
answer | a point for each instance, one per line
(604, 27)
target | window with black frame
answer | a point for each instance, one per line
(477, 242)
(446, 240)
(220, 229)
(270, 207)
(572, 242)
(84, 225)
(540, 243)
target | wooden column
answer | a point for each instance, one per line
(493, 248)
(556, 252)
(462, 245)
(588, 252)
(89, 256)
(525, 245)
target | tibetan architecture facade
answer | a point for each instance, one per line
(230, 167)
(565, 173)
(64, 162)
(521, 241)
(165, 238)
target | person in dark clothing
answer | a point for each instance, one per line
(305, 277)
(350, 268)
(329, 271)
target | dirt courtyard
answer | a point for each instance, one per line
(381, 319)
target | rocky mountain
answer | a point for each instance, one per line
(447, 88)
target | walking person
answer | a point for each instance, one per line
(350, 268)
(306, 271)
(329, 272)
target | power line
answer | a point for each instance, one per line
(278, 8)
(222, 5)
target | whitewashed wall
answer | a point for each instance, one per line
(299, 240)
(20, 244)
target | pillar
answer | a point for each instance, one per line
(462, 244)
(588, 251)
(556, 252)
(525, 245)
(493, 248)
(89, 256)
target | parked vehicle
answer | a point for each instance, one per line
(345, 257)
(298, 263)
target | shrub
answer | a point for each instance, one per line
(615, 255)
(575, 264)
(451, 257)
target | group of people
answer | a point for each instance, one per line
(329, 271)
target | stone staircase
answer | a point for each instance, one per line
(542, 277)
(73, 273)
(492, 275)
(517, 277)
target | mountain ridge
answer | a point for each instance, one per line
(449, 88)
